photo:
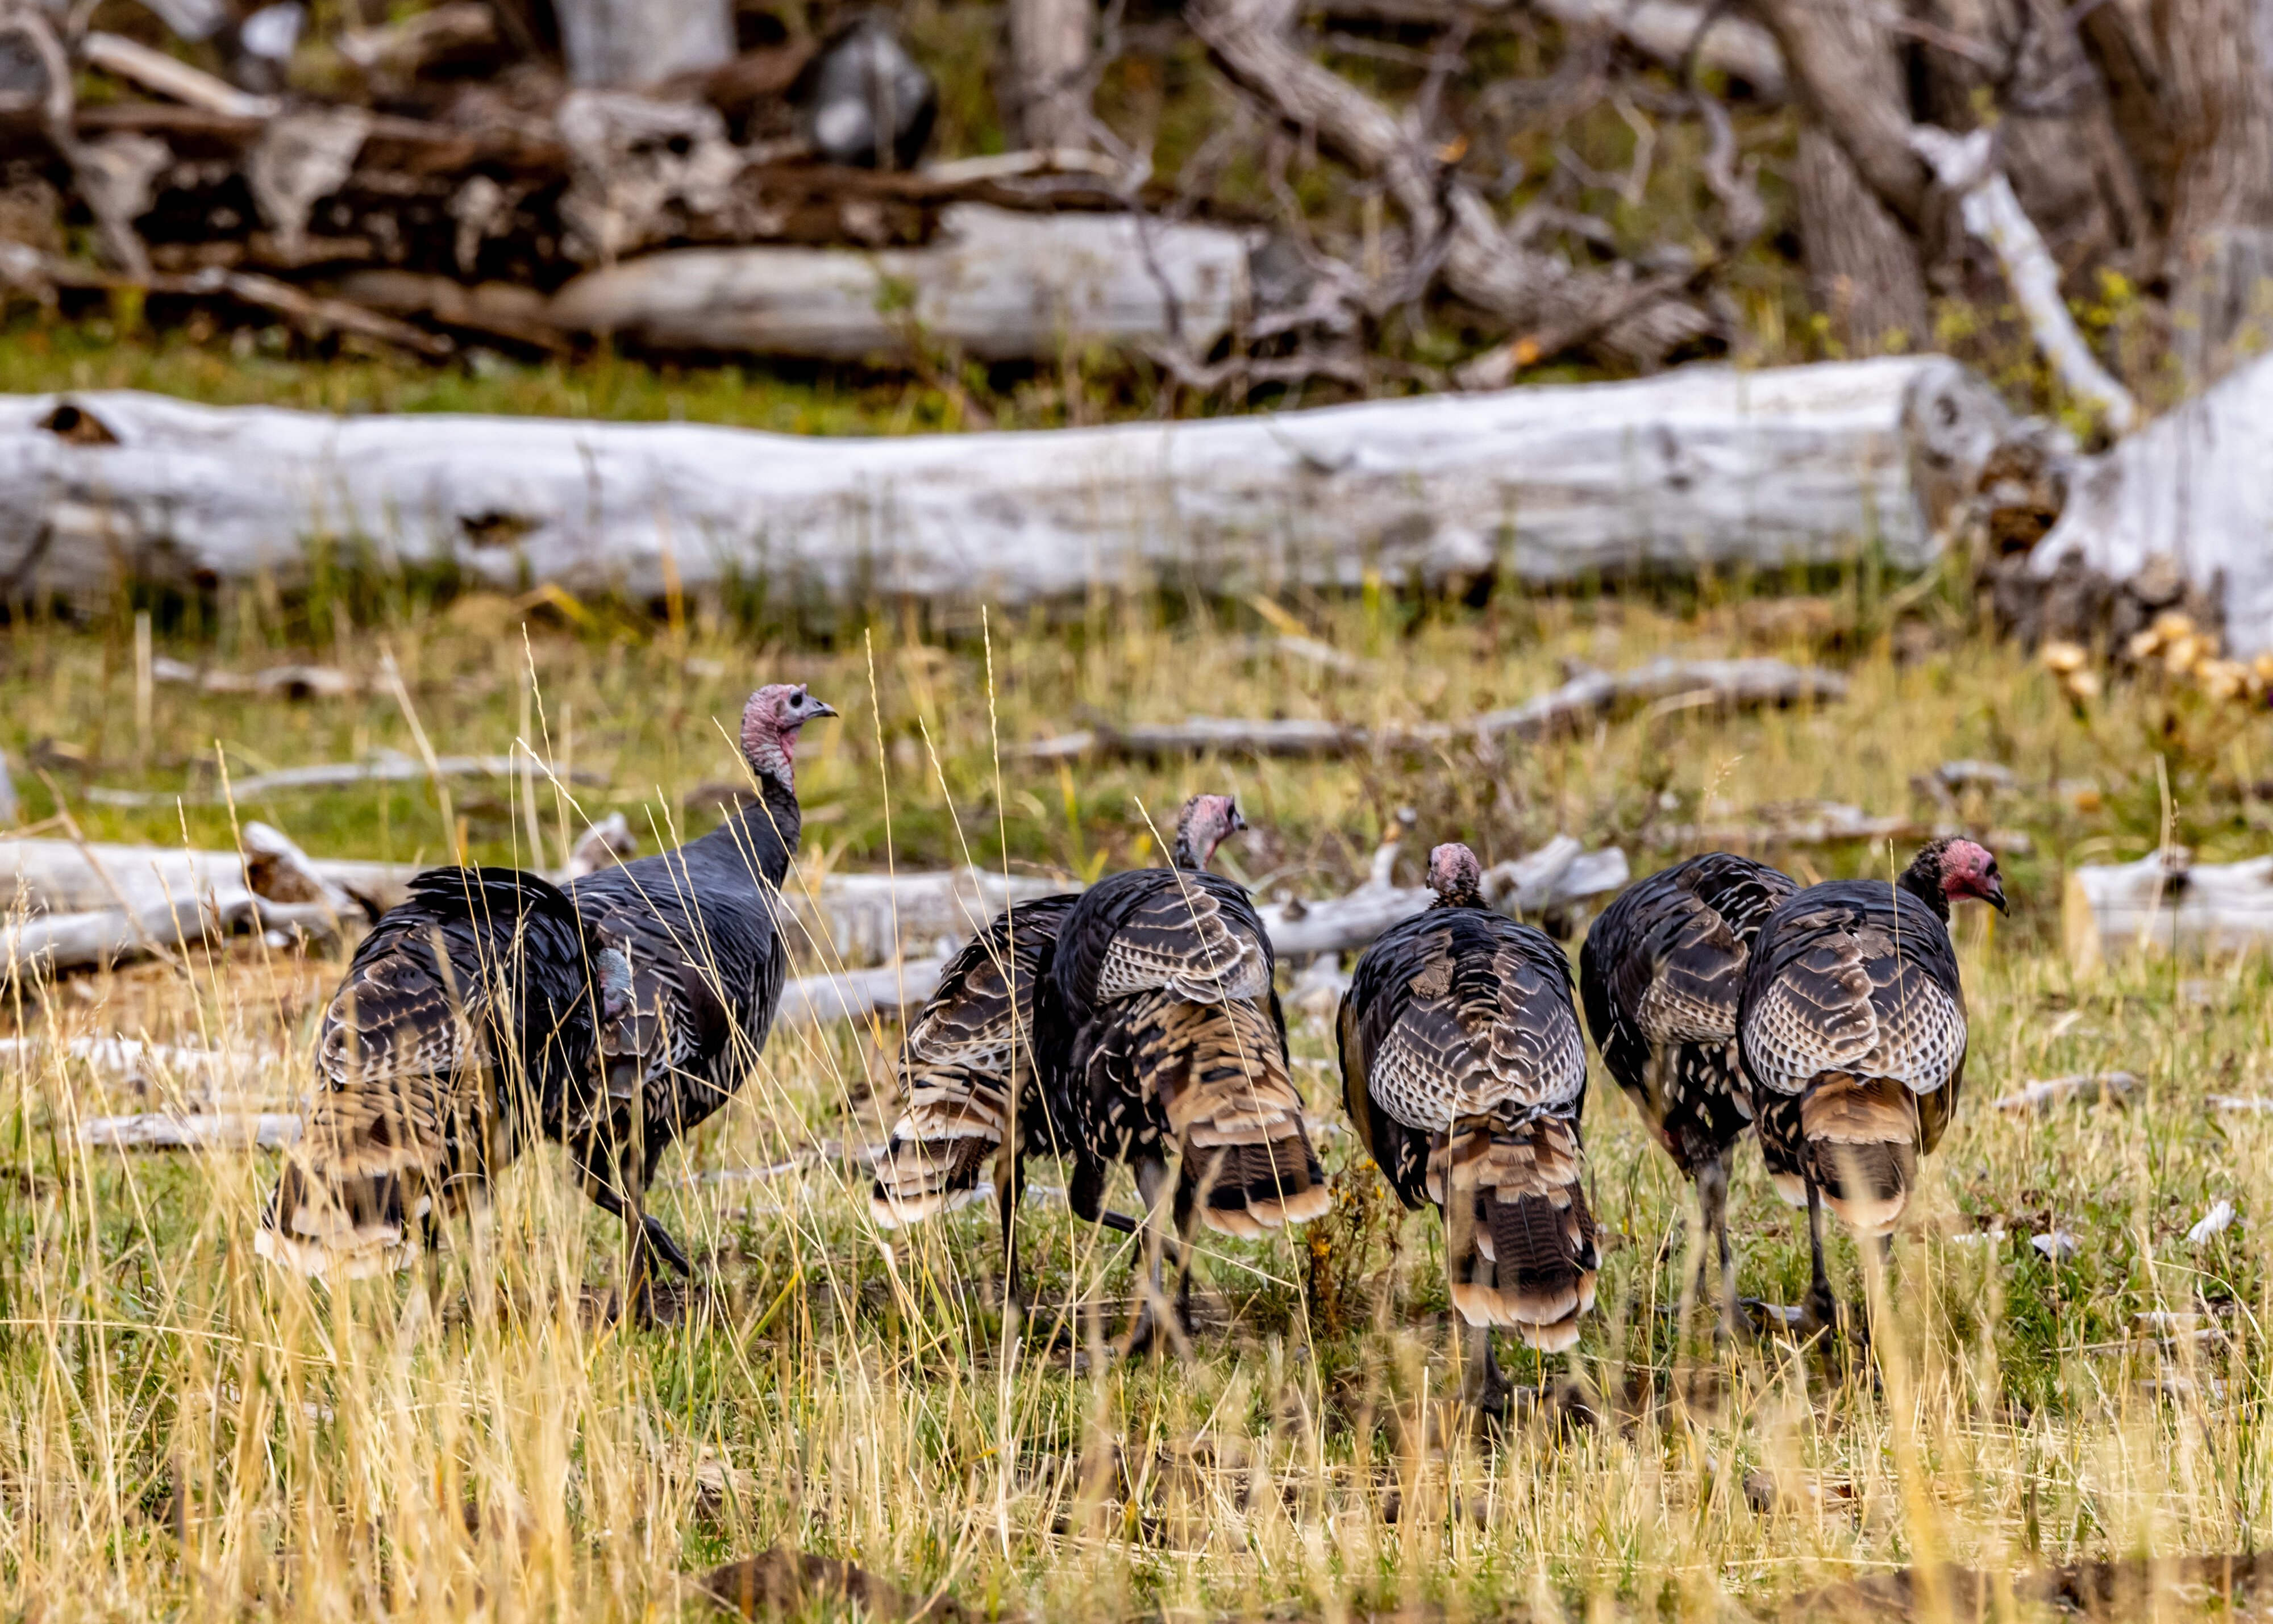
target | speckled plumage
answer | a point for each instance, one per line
(1661, 974)
(464, 1028)
(1853, 1034)
(1162, 1034)
(1466, 1076)
(968, 1068)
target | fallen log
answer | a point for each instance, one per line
(1830, 823)
(2103, 1086)
(2189, 488)
(1705, 468)
(994, 285)
(383, 767)
(868, 917)
(2165, 901)
(1735, 685)
(160, 1131)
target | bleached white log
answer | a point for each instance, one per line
(159, 1131)
(2199, 907)
(2055, 1090)
(995, 284)
(865, 917)
(1704, 466)
(1833, 823)
(2196, 484)
(1666, 32)
(1990, 212)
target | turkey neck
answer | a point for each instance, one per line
(1922, 880)
(766, 830)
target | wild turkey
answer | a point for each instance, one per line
(1661, 976)
(1852, 1029)
(1161, 1031)
(968, 1069)
(465, 1028)
(1466, 1076)
(707, 966)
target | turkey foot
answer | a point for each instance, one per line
(1484, 1385)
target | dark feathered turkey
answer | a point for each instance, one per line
(1661, 974)
(1853, 1035)
(706, 966)
(1163, 1035)
(464, 1028)
(1466, 1074)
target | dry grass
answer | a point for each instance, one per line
(184, 1431)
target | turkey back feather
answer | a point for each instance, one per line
(1463, 1065)
(1161, 1006)
(1853, 1036)
(464, 1027)
(1661, 974)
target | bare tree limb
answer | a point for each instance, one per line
(1251, 40)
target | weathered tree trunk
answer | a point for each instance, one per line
(2218, 55)
(1551, 305)
(630, 42)
(1050, 49)
(1861, 267)
(1704, 466)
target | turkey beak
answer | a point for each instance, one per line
(817, 708)
(1995, 896)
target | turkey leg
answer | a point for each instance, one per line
(1010, 1184)
(1713, 1206)
(1154, 1315)
(1482, 1383)
(1822, 1306)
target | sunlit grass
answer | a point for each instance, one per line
(185, 1431)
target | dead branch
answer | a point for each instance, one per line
(1251, 40)
(1830, 823)
(1736, 684)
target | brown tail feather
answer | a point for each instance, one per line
(1529, 1219)
(1861, 1149)
(953, 1124)
(1247, 1166)
(369, 1169)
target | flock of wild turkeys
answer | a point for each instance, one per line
(1138, 1021)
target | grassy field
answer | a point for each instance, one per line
(184, 1433)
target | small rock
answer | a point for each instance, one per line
(2214, 1222)
(2056, 1245)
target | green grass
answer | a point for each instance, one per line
(185, 1432)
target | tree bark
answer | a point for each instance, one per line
(1863, 267)
(1848, 77)
(2219, 58)
(1250, 39)
(1050, 50)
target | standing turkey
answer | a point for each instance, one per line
(1466, 1076)
(1161, 1032)
(465, 1027)
(1852, 1029)
(1661, 976)
(707, 963)
(973, 1084)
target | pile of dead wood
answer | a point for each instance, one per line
(719, 209)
